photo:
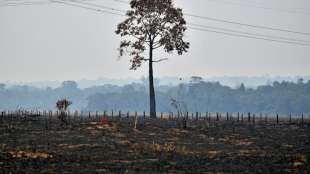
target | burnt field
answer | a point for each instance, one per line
(206, 145)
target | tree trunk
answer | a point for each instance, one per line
(151, 85)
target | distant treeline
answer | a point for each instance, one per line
(195, 96)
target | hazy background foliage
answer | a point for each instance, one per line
(195, 94)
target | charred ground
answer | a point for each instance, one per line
(156, 146)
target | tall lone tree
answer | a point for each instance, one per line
(151, 24)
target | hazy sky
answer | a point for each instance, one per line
(59, 42)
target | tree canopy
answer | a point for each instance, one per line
(152, 23)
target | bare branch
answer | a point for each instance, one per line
(157, 45)
(160, 60)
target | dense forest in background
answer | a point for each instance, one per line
(196, 95)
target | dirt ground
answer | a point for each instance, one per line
(156, 146)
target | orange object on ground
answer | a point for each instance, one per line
(104, 120)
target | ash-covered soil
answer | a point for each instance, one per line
(156, 146)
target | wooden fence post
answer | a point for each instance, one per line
(119, 113)
(136, 120)
(277, 118)
(2, 116)
(302, 119)
(161, 115)
(197, 115)
(128, 114)
(254, 119)
(290, 117)
(144, 114)
(249, 117)
(238, 117)
(209, 117)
